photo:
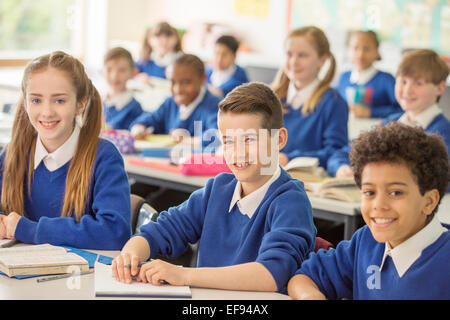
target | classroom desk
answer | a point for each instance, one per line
(68, 289)
(329, 209)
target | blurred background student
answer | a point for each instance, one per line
(161, 45)
(369, 92)
(315, 115)
(120, 108)
(224, 74)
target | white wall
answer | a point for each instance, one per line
(264, 35)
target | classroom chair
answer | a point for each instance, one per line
(141, 213)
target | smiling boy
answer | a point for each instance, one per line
(255, 226)
(404, 251)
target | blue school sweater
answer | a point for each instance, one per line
(105, 224)
(320, 133)
(381, 101)
(350, 271)
(167, 117)
(239, 77)
(151, 68)
(440, 125)
(121, 119)
(279, 235)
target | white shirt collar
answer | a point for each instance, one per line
(423, 119)
(296, 98)
(407, 252)
(219, 77)
(248, 204)
(166, 60)
(362, 77)
(119, 101)
(60, 156)
(185, 111)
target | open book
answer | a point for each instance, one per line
(39, 260)
(305, 169)
(107, 286)
(344, 189)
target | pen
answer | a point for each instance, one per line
(140, 264)
(62, 276)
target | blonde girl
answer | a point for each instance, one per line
(60, 183)
(315, 115)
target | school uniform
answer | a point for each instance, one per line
(156, 66)
(121, 111)
(105, 224)
(372, 88)
(226, 80)
(202, 112)
(363, 268)
(319, 133)
(272, 226)
(431, 120)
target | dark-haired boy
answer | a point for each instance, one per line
(255, 226)
(224, 75)
(403, 251)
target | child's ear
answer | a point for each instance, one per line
(282, 138)
(432, 198)
(441, 87)
(135, 72)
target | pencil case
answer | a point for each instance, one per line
(204, 164)
(122, 139)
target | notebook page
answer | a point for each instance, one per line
(107, 285)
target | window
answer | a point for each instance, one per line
(29, 28)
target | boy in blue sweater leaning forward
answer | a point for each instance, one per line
(255, 226)
(404, 251)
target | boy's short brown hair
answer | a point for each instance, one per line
(255, 98)
(119, 53)
(423, 63)
(424, 154)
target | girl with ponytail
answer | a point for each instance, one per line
(60, 183)
(315, 115)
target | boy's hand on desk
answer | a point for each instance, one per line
(157, 272)
(360, 111)
(139, 131)
(10, 222)
(344, 171)
(120, 269)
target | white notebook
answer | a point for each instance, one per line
(107, 286)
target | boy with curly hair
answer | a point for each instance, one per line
(403, 251)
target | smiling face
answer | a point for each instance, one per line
(416, 94)
(250, 151)
(392, 205)
(302, 63)
(186, 83)
(51, 106)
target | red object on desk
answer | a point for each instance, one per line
(137, 161)
(204, 164)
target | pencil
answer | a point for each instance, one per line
(66, 275)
